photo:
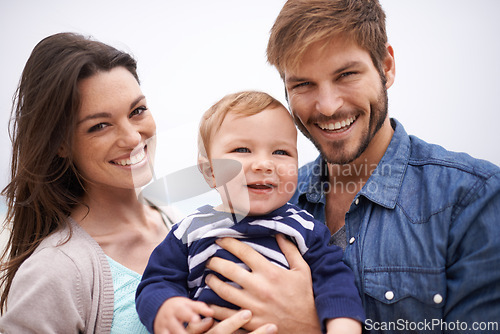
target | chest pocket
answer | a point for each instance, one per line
(410, 291)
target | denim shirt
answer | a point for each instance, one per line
(422, 238)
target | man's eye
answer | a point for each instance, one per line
(302, 84)
(138, 111)
(97, 127)
(347, 74)
(281, 152)
(241, 150)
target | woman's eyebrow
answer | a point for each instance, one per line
(94, 116)
(137, 100)
(108, 115)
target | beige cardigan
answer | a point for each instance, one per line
(64, 287)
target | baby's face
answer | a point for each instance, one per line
(266, 146)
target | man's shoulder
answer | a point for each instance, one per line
(446, 179)
(426, 154)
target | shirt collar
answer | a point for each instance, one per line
(314, 178)
(384, 184)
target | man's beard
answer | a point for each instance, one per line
(378, 114)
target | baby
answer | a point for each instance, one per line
(256, 131)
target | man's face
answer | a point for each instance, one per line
(339, 101)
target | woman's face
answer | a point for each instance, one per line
(110, 146)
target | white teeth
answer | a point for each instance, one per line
(337, 125)
(133, 159)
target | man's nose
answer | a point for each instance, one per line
(328, 100)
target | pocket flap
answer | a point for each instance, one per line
(390, 285)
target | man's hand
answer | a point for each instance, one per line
(273, 294)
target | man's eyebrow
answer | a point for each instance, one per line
(347, 66)
(293, 79)
(108, 115)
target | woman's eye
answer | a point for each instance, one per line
(138, 111)
(281, 152)
(241, 150)
(97, 127)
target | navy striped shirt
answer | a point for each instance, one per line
(177, 266)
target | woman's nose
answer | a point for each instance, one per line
(129, 136)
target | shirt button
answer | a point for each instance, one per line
(389, 295)
(356, 201)
(438, 298)
(351, 241)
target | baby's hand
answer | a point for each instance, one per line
(343, 326)
(176, 311)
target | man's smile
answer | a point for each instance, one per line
(335, 126)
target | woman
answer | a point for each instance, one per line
(80, 237)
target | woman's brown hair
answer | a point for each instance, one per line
(44, 186)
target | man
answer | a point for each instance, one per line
(419, 224)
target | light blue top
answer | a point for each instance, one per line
(125, 282)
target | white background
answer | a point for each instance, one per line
(192, 52)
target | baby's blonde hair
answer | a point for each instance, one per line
(245, 103)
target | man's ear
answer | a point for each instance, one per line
(389, 66)
(205, 167)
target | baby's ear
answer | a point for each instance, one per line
(206, 170)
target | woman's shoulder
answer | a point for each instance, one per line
(70, 245)
(69, 252)
(63, 275)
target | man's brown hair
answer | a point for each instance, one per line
(302, 23)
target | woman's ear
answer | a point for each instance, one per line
(63, 151)
(205, 167)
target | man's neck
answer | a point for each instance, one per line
(346, 181)
(362, 168)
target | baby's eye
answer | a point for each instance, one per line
(241, 150)
(281, 152)
(97, 127)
